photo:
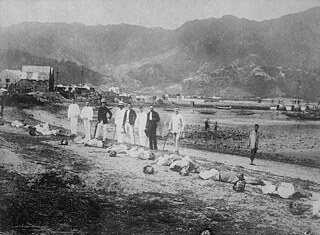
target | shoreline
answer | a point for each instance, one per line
(118, 189)
(234, 144)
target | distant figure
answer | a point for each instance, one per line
(215, 126)
(253, 142)
(118, 120)
(128, 123)
(3, 96)
(87, 115)
(141, 124)
(206, 124)
(151, 127)
(176, 126)
(73, 115)
(103, 120)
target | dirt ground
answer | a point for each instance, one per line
(47, 188)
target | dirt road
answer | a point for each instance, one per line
(117, 198)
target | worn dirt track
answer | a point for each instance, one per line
(115, 197)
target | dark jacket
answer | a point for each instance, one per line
(155, 119)
(132, 117)
(102, 114)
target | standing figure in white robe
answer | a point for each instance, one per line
(73, 114)
(141, 122)
(87, 115)
(118, 120)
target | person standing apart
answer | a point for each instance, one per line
(128, 123)
(118, 120)
(73, 114)
(87, 115)
(141, 124)
(206, 124)
(176, 126)
(103, 120)
(215, 126)
(151, 127)
(253, 142)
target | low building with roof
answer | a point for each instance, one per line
(9, 76)
(33, 79)
(42, 73)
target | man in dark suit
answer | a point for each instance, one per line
(128, 123)
(151, 127)
(103, 120)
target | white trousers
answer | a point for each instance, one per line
(129, 133)
(120, 134)
(177, 141)
(143, 138)
(104, 130)
(73, 125)
(87, 129)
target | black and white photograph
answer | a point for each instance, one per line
(145, 117)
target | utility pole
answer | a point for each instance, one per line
(57, 76)
(82, 74)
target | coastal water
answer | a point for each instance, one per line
(271, 120)
(279, 134)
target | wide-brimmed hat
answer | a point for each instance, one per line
(103, 100)
(120, 103)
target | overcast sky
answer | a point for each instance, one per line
(168, 14)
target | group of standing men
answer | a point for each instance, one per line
(125, 121)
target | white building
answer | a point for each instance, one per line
(37, 72)
(8, 76)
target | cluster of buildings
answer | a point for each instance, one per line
(28, 79)
(38, 79)
(42, 79)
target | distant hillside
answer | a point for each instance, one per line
(69, 72)
(137, 57)
(238, 80)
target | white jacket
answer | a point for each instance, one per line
(118, 119)
(73, 111)
(141, 121)
(87, 113)
(177, 123)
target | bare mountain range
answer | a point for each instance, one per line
(226, 56)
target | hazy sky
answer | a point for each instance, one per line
(167, 14)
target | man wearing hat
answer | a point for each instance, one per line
(128, 123)
(118, 120)
(87, 115)
(151, 127)
(103, 120)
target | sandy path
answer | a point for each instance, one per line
(124, 174)
(276, 168)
